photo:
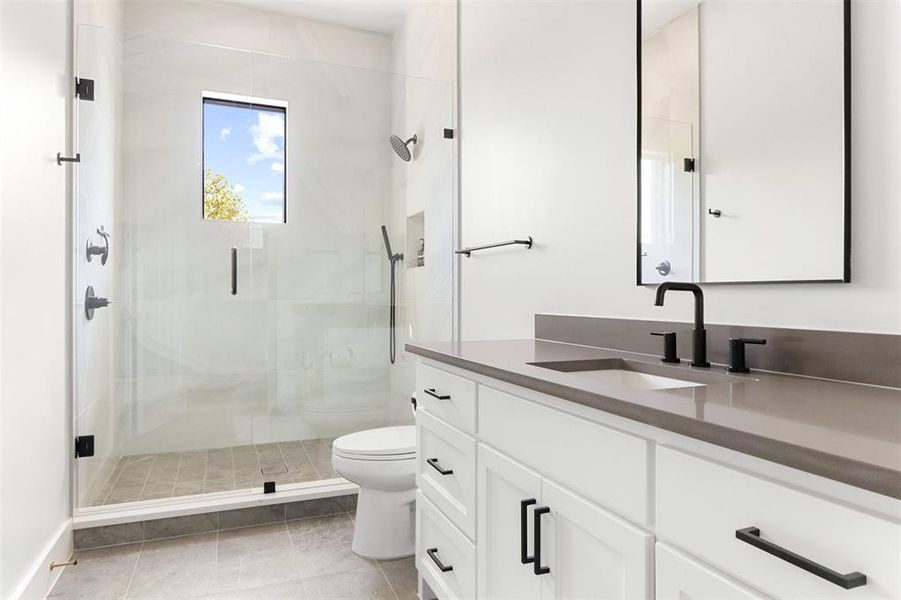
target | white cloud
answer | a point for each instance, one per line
(268, 128)
(272, 196)
(225, 132)
(278, 167)
(272, 216)
(238, 188)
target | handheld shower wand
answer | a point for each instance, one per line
(393, 259)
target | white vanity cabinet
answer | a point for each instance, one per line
(551, 500)
(507, 494)
(583, 550)
(589, 552)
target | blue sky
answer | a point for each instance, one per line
(247, 145)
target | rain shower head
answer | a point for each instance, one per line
(401, 148)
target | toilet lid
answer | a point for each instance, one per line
(378, 442)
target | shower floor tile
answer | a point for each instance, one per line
(171, 474)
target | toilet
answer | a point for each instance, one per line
(383, 463)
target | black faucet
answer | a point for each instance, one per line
(699, 335)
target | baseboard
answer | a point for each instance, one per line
(40, 578)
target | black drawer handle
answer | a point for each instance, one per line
(431, 392)
(433, 554)
(751, 535)
(524, 531)
(437, 467)
(539, 570)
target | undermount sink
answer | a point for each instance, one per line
(633, 374)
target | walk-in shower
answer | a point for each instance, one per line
(245, 239)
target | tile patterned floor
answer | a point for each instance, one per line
(304, 559)
(150, 476)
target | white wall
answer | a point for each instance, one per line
(35, 442)
(548, 144)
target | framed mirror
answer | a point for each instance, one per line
(744, 141)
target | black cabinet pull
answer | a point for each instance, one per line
(431, 392)
(524, 531)
(433, 554)
(437, 467)
(539, 570)
(234, 266)
(751, 535)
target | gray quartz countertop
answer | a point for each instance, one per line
(847, 432)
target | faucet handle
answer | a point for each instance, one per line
(670, 355)
(737, 363)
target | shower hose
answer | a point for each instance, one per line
(392, 336)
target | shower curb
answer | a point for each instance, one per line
(210, 522)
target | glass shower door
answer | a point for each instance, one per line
(172, 367)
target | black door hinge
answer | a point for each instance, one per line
(448, 134)
(84, 446)
(268, 487)
(84, 89)
(688, 165)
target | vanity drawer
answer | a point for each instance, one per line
(447, 470)
(438, 541)
(599, 463)
(702, 505)
(679, 577)
(448, 397)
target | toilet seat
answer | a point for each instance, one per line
(385, 443)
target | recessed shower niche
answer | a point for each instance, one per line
(415, 240)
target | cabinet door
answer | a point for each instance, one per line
(679, 577)
(591, 553)
(502, 487)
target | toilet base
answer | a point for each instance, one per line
(385, 524)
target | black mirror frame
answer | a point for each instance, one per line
(846, 90)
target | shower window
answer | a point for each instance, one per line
(244, 142)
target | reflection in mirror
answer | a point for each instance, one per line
(743, 141)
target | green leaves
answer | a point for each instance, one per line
(220, 201)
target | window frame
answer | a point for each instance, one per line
(249, 102)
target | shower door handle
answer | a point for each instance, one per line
(234, 270)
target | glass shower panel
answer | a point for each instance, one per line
(422, 206)
(99, 184)
(329, 283)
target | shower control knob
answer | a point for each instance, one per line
(92, 302)
(664, 268)
(92, 250)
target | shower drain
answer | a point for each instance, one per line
(274, 470)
